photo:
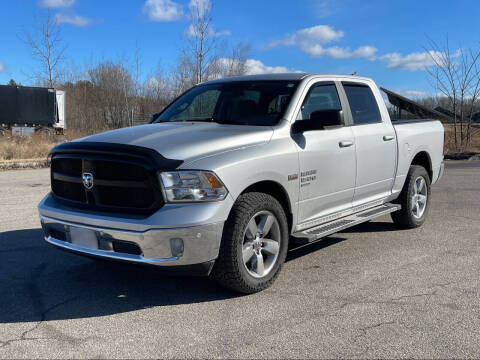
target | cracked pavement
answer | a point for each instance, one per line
(369, 292)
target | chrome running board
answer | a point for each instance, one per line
(320, 231)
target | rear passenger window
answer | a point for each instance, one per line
(363, 105)
(320, 97)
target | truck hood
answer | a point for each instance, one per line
(187, 141)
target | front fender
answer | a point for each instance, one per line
(241, 168)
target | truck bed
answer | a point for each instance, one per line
(413, 137)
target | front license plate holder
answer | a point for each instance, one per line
(83, 237)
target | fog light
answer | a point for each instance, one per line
(176, 245)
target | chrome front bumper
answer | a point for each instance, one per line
(163, 247)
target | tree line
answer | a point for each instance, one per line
(110, 94)
(116, 93)
(455, 77)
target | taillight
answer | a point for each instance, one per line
(444, 142)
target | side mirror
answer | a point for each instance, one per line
(318, 121)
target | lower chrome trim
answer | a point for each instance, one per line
(107, 254)
(200, 243)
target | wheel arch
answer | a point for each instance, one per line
(276, 190)
(422, 158)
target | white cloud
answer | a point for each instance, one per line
(257, 67)
(74, 20)
(2, 67)
(211, 31)
(342, 53)
(316, 42)
(162, 10)
(412, 93)
(56, 3)
(222, 33)
(414, 61)
(312, 41)
(222, 67)
(202, 6)
(312, 36)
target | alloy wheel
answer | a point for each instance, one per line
(261, 244)
(419, 197)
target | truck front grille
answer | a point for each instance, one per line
(119, 183)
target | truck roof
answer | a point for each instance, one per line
(281, 76)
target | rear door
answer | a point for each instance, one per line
(326, 158)
(375, 144)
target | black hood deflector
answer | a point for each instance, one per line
(151, 156)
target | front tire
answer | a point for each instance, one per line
(254, 244)
(414, 198)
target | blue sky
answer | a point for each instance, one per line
(384, 40)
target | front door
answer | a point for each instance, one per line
(327, 159)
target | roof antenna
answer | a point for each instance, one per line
(354, 73)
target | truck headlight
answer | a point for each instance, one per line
(192, 185)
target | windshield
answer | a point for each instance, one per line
(237, 102)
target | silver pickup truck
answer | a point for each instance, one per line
(234, 169)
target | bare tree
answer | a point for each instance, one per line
(48, 48)
(201, 43)
(157, 92)
(456, 77)
(203, 55)
(233, 65)
(114, 89)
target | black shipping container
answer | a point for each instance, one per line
(27, 105)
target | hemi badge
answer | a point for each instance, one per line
(292, 177)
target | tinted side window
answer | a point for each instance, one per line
(320, 97)
(363, 105)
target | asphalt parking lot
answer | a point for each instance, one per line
(372, 291)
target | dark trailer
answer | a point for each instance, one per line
(28, 106)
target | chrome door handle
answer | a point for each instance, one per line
(345, 143)
(388, 137)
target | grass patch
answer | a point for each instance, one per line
(474, 146)
(35, 147)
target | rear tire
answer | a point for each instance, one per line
(254, 244)
(414, 198)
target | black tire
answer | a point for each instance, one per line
(229, 270)
(406, 218)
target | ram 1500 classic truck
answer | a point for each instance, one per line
(234, 169)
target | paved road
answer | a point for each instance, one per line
(371, 291)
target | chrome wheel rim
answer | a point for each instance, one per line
(261, 244)
(419, 197)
